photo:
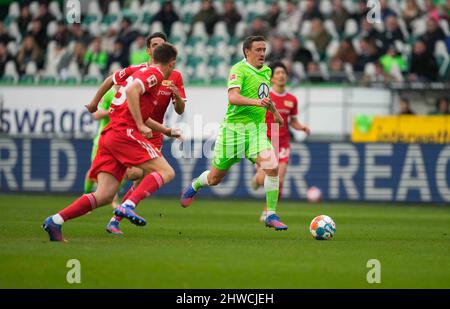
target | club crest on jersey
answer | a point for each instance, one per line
(289, 104)
(152, 81)
(263, 91)
(233, 77)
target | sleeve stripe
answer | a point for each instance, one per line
(114, 79)
(236, 86)
(141, 83)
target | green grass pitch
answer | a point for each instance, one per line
(222, 244)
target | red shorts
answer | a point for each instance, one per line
(157, 142)
(120, 149)
(284, 152)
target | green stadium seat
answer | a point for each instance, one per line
(27, 79)
(48, 80)
(7, 79)
(69, 81)
(110, 19)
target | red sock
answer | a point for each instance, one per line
(81, 206)
(148, 185)
(129, 192)
(280, 190)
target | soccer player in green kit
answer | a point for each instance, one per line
(244, 131)
(102, 115)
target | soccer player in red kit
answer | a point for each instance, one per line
(171, 90)
(286, 104)
(124, 143)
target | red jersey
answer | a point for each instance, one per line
(286, 104)
(150, 79)
(165, 95)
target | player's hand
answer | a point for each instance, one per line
(92, 108)
(145, 131)
(279, 119)
(175, 133)
(265, 102)
(174, 90)
(306, 129)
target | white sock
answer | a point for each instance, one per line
(269, 213)
(58, 219)
(201, 181)
(129, 203)
(271, 183)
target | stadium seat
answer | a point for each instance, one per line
(11, 70)
(13, 30)
(34, 8)
(419, 26)
(14, 10)
(52, 28)
(156, 26)
(94, 29)
(348, 68)
(55, 10)
(444, 26)
(27, 79)
(330, 27)
(325, 7)
(135, 6)
(221, 31)
(351, 28)
(31, 68)
(114, 8)
(332, 49)
(177, 30)
(298, 70)
(12, 48)
(442, 56)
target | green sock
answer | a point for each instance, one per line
(201, 181)
(272, 188)
(88, 184)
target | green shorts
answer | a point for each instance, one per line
(236, 142)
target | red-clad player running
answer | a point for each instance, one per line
(286, 104)
(172, 90)
(124, 143)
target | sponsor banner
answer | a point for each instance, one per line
(59, 111)
(343, 171)
(401, 129)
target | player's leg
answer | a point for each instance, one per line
(267, 159)
(282, 169)
(258, 179)
(104, 194)
(134, 174)
(88, 182)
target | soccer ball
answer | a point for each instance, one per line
(314, 195)
(322, 227)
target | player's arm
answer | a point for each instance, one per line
(294, 123)
(133, 93)
(235, 98)
(156, 126)
(277, 116)
(100, 114)
(105, 86)
(179, 102)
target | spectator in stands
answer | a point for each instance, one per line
(339, 15)
(62, 35)
(273, 14)
(432, 10)
(207, 15)
(5, 38)
(291, 16)
(78, 34)
(368, 31)
(362, 11)
(385, 10)
(299, 53)
(442, 107)
(278, 52)
(433, 34)
(118, 55)
(337, 72)
(393, 63)
(127, 35)
(4, 58)
(28, 52)
(392, 32)
(311, 9)
(24, 19)
(77, 57)
(230, 16)
(44, 15)
(404, 107)
(96, 55)
(319, 36)
(139, 54)
(346, 53)
(314, 74)
(423, 66)
(369, 54)
(411, 13)
(167, 16)
(258, 27)
(39, 33)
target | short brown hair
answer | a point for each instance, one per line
(156, 35)
(249, 41)
(164, 53)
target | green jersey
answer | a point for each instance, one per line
(254, 84)
(104, 105)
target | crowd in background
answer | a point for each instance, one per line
(318, 40)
